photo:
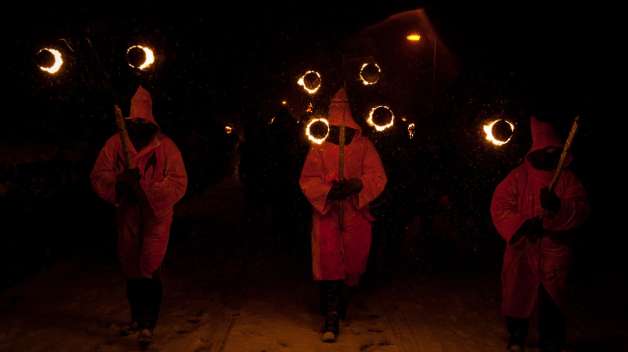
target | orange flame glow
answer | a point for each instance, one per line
(414, 37)
(228, 129)
(488, 129)
(58, 61)
(150, 58)
(309, 135)
(301, 82)
(378, 127)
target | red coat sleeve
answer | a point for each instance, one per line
(574, 204)
(373, 176)
(312, 180)
(103, 175)
(504, 206)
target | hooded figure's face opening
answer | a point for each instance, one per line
(141, 132)
(545, 159)
(334, 135)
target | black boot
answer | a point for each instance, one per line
(133, 296)
(518, 329)
(346, 294)
(148, 308)
(552, 324)
(330, 294)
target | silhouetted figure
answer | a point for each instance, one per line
(539, 250)
(340, 240)
(144, 198)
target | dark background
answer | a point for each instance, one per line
(233, 63)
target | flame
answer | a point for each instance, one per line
(411, 128)
(58, 61)
(284, 102)
(364, 81)
(414, 37)
(150, 58)
(378, 127)
(309, 135)
(488, 129)
(301, 82)
(228, 129)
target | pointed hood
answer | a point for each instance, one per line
(338, 103)
(142, 106)
(544, 135)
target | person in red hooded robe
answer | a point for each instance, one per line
(144, 197)
(539, 252)
(340, 252)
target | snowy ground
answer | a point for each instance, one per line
(229, 287)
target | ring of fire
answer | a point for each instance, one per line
(58, 61)
(304, 84)
(373, 76)
(150, 58)
(488, 129)
(379, 127)
(309, 134)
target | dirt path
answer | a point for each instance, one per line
(231, 286)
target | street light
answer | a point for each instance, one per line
(415, 38)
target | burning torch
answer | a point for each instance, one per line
(563, 155)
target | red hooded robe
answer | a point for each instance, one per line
(336, 254)
(548, 261)
(144, 225)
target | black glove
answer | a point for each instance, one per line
(126, 180)
(549, 200)
(532, 229)
(353, 186)
(344, 189)
(337, 191)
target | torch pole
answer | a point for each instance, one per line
(341, 164)
(341, 151)
(563, 155)
(124, 136)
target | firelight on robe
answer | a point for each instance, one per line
(58, 61)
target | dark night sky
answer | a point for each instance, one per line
(231, 60)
